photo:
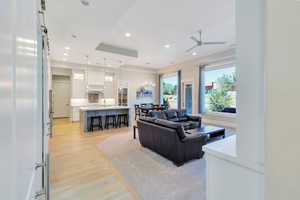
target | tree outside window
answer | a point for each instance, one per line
(220, 89)
(169, 91)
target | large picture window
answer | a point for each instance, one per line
(169, 91)
(218, 89)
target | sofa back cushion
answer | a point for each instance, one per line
(181, 113)
(158, 114)
(171, 114)
(169, 124)
(148, 119)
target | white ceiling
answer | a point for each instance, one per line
(152, 24)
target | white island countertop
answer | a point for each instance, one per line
(92, 108)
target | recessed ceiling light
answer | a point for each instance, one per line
(127, 34)
(65, 54)
(194, 53)
(67, 48)
(167, 46)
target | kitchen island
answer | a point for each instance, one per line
(93, 111)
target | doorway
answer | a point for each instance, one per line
(61, 96)
(188, 97)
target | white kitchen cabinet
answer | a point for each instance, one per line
(109, 90)
(95, 77)
(109, 86)
(78, 84)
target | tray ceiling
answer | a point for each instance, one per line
(151, 24)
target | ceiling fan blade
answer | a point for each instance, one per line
(190, 49)
(195, 39)
(200, 34)
(213, 43)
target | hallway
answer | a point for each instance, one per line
(79, 171)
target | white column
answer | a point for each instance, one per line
(250, 76)
(235, 166)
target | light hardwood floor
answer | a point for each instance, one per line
(79, 171)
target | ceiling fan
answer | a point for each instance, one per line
(199, 42)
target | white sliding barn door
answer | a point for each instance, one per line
(23, 125)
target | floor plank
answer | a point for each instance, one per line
(79, 171)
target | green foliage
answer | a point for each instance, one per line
(227, 82)
(169, 89)
(219, 98)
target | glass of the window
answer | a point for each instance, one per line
(219, 91)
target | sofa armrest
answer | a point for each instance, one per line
(196, 137)
(194, 118)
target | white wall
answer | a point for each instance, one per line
(282, 63)
(135, 78)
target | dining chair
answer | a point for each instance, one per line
(137, 111)
(155, 107)
(163, 107)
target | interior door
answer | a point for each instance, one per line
(61, 98)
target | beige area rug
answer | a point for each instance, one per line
(152, 176)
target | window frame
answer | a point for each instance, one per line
(168, 75)
(201, 102)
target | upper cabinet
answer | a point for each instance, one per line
(78, 84)
(95, 77)
(109, 86)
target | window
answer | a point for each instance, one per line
(218, 89)
(169, 90)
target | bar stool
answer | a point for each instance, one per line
(122, 120)
(94, 125)
(110, 119)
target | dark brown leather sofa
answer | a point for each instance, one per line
(169, 139)
(180, 116)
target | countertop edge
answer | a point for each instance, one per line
(103, 108)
